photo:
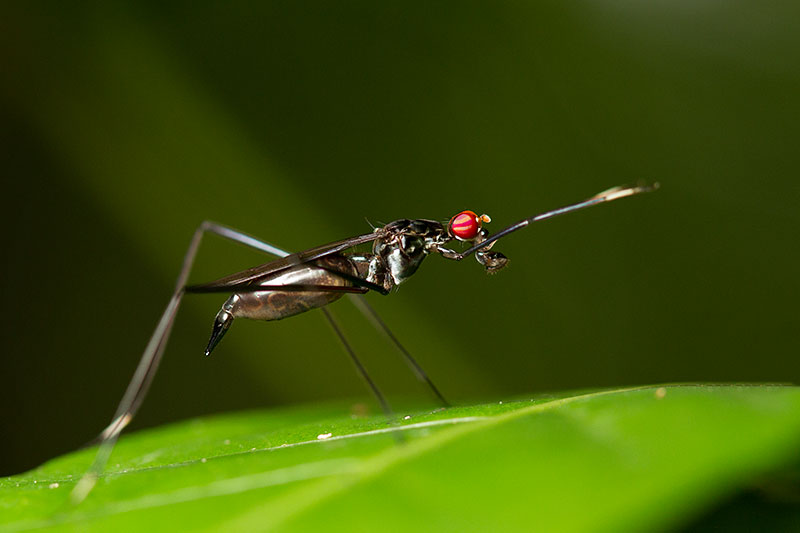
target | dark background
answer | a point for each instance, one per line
(124, 126)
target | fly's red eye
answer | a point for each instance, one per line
(465, 225)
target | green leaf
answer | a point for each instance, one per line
(630, 459)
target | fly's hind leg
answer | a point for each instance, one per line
(151, 357)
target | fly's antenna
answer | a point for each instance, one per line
(615, 193)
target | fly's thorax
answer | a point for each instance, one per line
(405, 246)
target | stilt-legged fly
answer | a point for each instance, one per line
(298, 282)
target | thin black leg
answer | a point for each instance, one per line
(363, 305)
(359, 366)
(151, 357)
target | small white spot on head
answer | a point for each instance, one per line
(660, 393)
(35, 482)
(53, 485)
(252, 449)
(407, 417)
(323, 436)
(203, 460)
(501, 403)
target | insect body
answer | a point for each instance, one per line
(398, 251)
(296, 283)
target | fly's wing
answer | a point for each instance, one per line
(260, 272)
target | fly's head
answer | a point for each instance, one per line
(466, 226)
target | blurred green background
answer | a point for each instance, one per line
(125, 124)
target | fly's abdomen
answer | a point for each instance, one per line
(275, 304)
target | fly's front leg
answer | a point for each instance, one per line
(492, 261)
(447, 253)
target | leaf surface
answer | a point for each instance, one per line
(630, 459)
